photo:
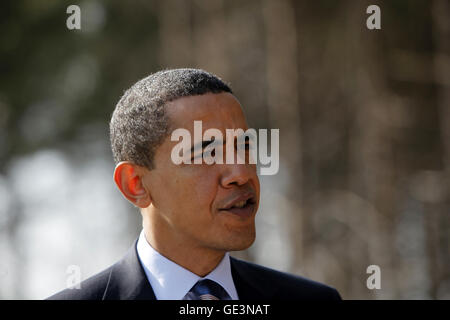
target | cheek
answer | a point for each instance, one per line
(194, 187)
(203, 185)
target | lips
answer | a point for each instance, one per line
(242, 205)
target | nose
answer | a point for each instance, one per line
(237, 174)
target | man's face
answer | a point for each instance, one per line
(198, 203)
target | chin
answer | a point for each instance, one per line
(244, 245)
(241, 242)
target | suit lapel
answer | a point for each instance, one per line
(247, 285)
(127, 280)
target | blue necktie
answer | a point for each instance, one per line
(207, 290)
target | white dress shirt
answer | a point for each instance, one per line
(171, 281)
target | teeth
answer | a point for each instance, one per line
(240, 204)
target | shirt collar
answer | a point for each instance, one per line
(171, 281)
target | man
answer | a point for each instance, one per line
(193, 214)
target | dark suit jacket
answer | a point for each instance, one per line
(126, 280)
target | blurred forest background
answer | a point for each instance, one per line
(364, 119)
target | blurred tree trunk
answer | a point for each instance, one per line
(210, 37)
(284, 113)
(440, 233)
(373, 174)
(175, 34)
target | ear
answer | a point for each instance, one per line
(128, 178)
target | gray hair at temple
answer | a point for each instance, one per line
(139, 123)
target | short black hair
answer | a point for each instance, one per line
(139, 123)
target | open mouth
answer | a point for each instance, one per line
(244, 205)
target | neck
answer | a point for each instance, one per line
(175, 247)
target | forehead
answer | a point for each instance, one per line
(215, 110)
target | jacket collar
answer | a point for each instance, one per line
(127, 280)
(248, 285)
